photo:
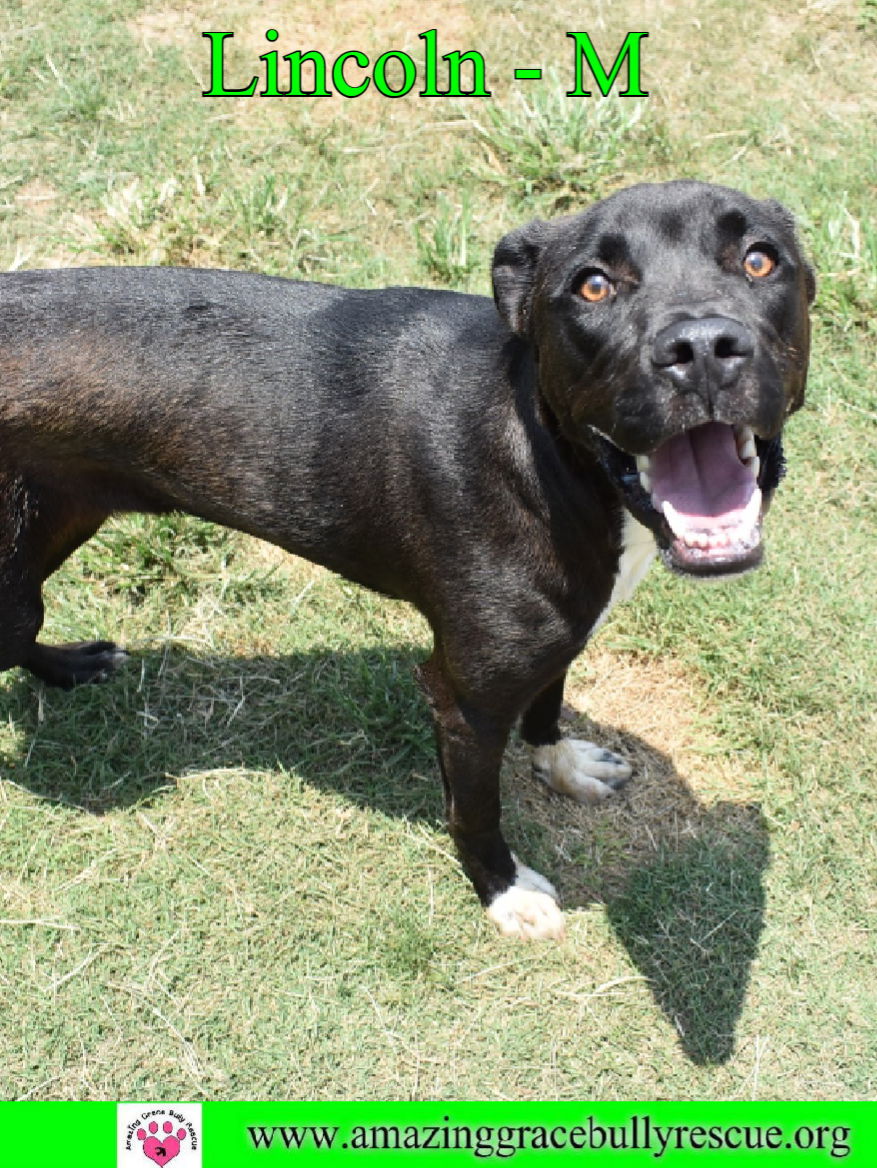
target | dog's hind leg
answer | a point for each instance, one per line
(471, 740)
(582, 770)
(39, 528)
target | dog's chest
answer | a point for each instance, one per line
(638, 549)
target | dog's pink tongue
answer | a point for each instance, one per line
(700, 474)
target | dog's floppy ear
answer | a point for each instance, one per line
(514, 272)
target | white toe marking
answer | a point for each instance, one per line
(580, 769)
(528, 909)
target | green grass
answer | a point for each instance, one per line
(224, 874)
(554, 153)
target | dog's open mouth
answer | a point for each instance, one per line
(703, 494)
(705, 484)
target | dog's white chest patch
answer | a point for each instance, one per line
(638, 549)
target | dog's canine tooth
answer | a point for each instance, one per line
(670, 513)
(646, 481)
(643, 462)
(754, 464)
(745, 439)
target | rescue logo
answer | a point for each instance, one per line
(159, 1133)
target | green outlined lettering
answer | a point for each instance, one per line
(342, 85)
(396, 72)
(409, 71)
(585, 52)
(455, 61)
(217, 69)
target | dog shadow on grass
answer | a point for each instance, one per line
(681, 881)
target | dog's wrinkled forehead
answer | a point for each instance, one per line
(684, 232)
(646, 223)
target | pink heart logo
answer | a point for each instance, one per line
(161, 1151)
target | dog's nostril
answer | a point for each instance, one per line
(727, 347)
(682, 353)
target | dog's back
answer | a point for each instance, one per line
(314, 416)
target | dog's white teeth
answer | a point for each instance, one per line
(745, 442)
(754, 464)
(644, 466)
(673, 517)
(694, 539)
(742, 530)
(752, 511)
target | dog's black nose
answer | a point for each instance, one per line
(713, 350)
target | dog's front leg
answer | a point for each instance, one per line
(471, 740)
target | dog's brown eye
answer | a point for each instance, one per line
(595, 287)
(758, 263)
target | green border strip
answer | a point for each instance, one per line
(84, 1134)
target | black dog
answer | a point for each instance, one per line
(508, 473)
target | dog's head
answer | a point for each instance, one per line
(670, 326)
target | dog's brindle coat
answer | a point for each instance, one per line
(480, 464)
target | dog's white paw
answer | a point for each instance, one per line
(528, 909)
(583, 770)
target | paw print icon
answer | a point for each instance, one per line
(164, 1148)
